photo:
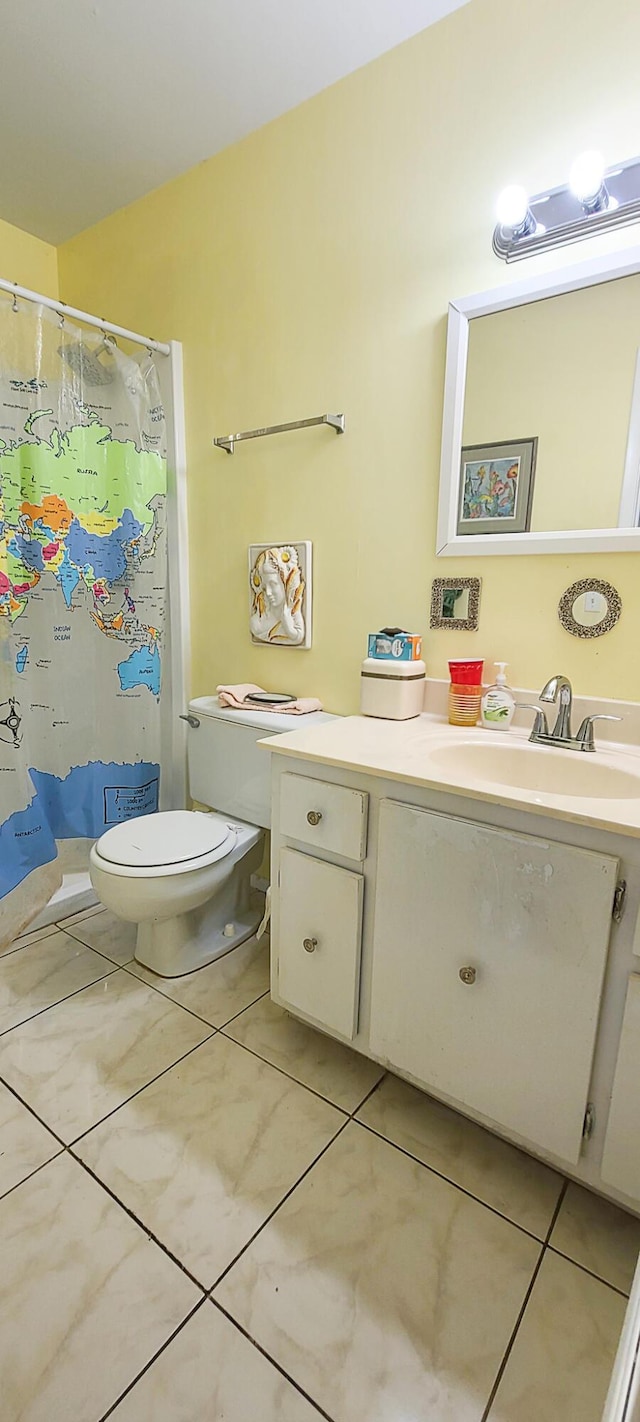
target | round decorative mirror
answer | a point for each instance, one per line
(589, 608)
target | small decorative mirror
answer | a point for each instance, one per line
(455, 603)
(589, 608)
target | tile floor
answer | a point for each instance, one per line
(209, 1211)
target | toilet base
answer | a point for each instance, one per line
(174, 946)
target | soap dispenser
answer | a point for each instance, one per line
(498, 703)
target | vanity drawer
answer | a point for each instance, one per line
(319, 936)
(330, 817)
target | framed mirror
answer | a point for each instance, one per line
(589, 608)
(541, 420)
(455, 604)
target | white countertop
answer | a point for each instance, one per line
(422, 752)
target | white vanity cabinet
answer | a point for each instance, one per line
(483, 951)
(489, 952)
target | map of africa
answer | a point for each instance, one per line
(82, 610)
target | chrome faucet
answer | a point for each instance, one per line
(559, 687)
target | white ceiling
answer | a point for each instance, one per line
(103, 100)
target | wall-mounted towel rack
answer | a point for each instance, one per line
(227, 442)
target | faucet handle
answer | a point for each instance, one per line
(540, 724)
(585, 734)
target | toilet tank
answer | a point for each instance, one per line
(228, 770)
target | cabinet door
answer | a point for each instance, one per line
(621, 1159)
(489, 956)
(320, 924)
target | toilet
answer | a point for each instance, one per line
(184, 875)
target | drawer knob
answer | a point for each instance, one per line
(309, 945)
(314, 817)
(467, 975)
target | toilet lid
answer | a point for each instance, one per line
(170, 837)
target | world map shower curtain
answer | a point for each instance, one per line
(83, 478)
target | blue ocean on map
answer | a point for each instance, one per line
(142, 668)
(80, 806)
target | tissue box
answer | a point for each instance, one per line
(394, 647)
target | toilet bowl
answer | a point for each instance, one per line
(184, 876)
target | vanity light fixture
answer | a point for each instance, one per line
(594, 199)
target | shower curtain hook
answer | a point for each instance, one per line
(61, 321)
(15, 300)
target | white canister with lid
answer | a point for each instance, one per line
(392, 690)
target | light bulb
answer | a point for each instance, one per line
(586, 176)
(512, 207)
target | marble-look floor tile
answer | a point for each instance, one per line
(101, 930)
(25, 938)
(210, 1371)
(383, 1290)
(206, 1153)
(223, 988)
(82, 913)
(335, 1071)
(561, 1361)
(24, 1143)
(599, 1235)
(511, 1182)
(85, 1297)
(84, 1057)
(45, 972)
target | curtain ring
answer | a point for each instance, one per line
(61, 321)
(15, 302)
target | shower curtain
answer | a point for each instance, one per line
(82, 596)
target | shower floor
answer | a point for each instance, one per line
(209, 1211)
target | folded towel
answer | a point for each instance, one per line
(235, 697)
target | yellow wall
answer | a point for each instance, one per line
(562, 370)
(308, 268)
(27, 260)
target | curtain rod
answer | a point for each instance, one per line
(61, 308)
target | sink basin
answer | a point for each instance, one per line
(545, 769)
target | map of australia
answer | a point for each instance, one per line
(81, 511)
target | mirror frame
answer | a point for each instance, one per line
(450, 544)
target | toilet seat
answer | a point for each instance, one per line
(171, 842)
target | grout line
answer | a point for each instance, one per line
(279, 1205)
(141, 1225)
(19, 1098)
(5, 1032)
(127, 969)
(152, 1360)
(303, 1084)
(585, 1270)
(83, 914)
(244, 1009)
(559, 1203)
(270, 1359)
(447, 1178)
(31, 1174)
(138, 1091)
(369, 1093)
(512, 1339)
(18, 946)
(514, 1334)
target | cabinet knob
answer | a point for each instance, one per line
(467, 975)
(309, 945)
(314, 817)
